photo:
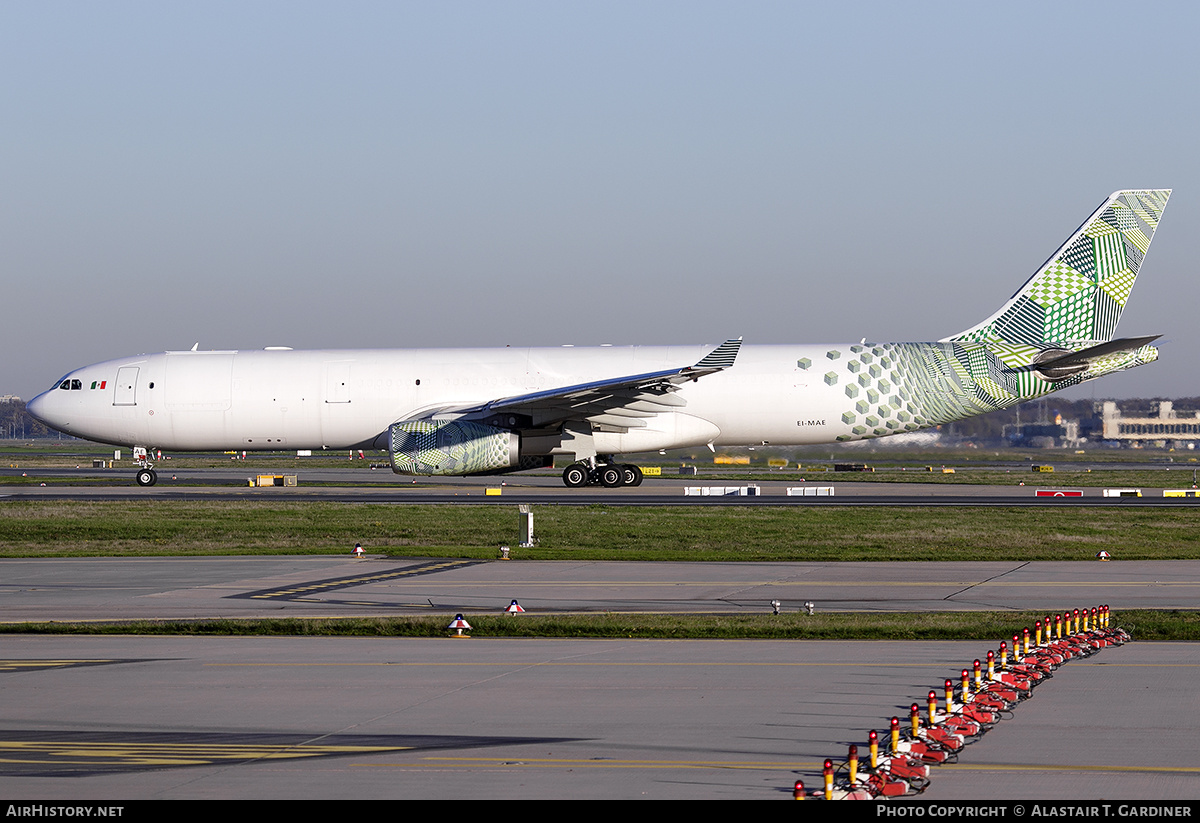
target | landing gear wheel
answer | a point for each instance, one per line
(612, 475)
(576, 475)
(633, 475)
(147, 477)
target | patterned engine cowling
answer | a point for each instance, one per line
(450, 447)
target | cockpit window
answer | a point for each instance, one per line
(66, 384)
(76, 385)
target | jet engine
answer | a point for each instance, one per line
(450, 447)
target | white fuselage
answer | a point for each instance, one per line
(284, 399)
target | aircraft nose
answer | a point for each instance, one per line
(39, 408)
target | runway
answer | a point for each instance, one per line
(77, 589)
(251, 718)
(152, 717)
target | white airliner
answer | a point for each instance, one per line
(470, 411)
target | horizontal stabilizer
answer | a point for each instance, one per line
(1056, 364)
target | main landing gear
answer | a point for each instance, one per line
(609, 475)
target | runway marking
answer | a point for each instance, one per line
(1140, 665)
(37, 665)
(1066, 767)
(598, 664)
(602, 763)
(800, 583)
(87, 753)
(164, 754)
(304, 591)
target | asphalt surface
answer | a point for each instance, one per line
(382, 486)
(123, 718)
(231, 587)
(252, 718)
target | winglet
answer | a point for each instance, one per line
(721, 357)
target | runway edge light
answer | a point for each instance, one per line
(459, 625)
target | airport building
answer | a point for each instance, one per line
(1169, 428)
(1058, 433)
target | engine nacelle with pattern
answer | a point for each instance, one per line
(451, 447)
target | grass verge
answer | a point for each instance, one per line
(718, 533)
(1144, 624)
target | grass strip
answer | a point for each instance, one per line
(148, 528)
(1144, 624)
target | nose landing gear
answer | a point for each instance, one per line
(146, 475)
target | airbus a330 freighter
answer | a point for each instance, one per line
(471, 411)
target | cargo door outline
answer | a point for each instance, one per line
(337, 381)
(125, 388)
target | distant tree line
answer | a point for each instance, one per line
(16, 423)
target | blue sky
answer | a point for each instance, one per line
(436, 174)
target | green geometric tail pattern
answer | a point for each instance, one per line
(901, 387)
(1071, 303)
(1077, 297)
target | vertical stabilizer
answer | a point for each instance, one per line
(1078, 295)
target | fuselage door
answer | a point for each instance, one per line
(337, 381)
(125, 390)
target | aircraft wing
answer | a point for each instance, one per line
(615, 404)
